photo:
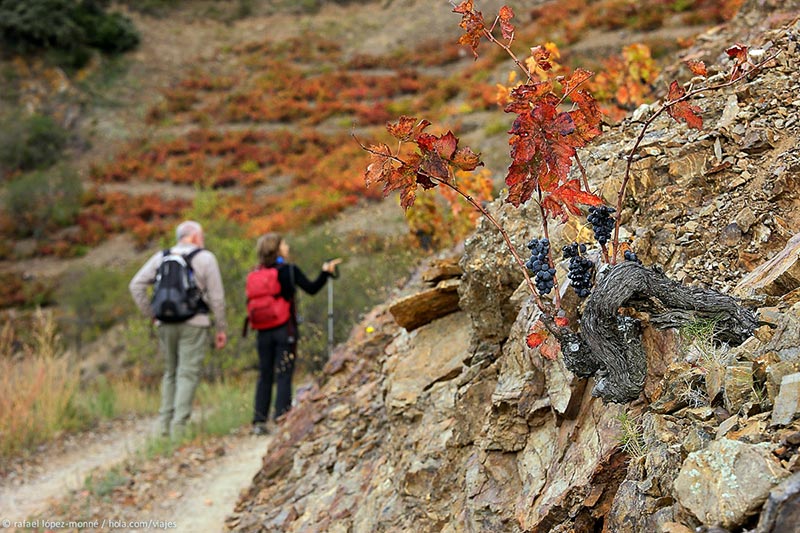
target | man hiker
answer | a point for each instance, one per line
(187, 286)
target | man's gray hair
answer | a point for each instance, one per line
(187, 229)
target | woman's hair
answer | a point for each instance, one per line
(267, 249)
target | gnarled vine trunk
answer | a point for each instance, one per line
(609, 345)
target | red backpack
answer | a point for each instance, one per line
(265, 307)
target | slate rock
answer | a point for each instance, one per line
(787, 403)
(778, 276)
(725, 483)
(781, 512)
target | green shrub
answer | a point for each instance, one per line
(67, 27)
(43, 201)
(34, 25)
(93, 299)
(30, 143)
(112, 33)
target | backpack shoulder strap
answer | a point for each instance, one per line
(188, 257)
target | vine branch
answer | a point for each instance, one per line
(665, 106)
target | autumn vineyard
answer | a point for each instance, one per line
(568, 291)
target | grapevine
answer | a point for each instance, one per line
(554, 117)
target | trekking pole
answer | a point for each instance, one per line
(330, 317)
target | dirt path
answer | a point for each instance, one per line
(30, 494)
(199, 501)
(209, 498)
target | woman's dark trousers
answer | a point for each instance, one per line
(275, 363)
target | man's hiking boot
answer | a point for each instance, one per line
(260, 429)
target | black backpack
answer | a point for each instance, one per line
(176, 296)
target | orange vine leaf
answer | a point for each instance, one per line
(697, 67)
(403, 179)
(473, 25)
(466, 159)
(587, 118)
(524, 96)
(541, 58)
(407, 128)
(434, 162)
(380, 165)
(575, 80)
(505, 16)
(682, 110)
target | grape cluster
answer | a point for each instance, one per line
(602, 223)
(631, 256)
(539, 264)
(580, 269)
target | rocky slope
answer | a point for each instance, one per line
(458, 426)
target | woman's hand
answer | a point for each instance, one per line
(330, 265)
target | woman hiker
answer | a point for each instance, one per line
(271, 312)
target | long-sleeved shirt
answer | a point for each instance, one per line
(290, 276)
(207, 275)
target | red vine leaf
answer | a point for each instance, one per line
(575, 80)
(682, 110)
(697, 67)
(472, 24)
(446, 145)
(407, 128)
(561, 321)
(563, 200)
(541, 150)
(738, 53)
(536, 338)
(438, 154)
(505, 15)
(432, 166)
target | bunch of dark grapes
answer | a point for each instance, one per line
(631, 256)
(539, 264)
(581, 269)
(602, 223)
